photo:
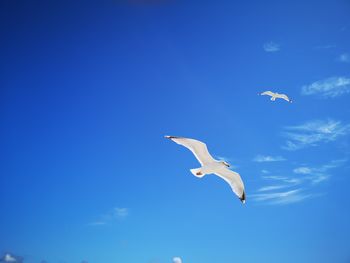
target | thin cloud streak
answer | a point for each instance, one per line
(272, 187)
(302, 170)
(313, 133)
(281, 198)
(10, 258)
(177, 260)
(328, 88)
(116, 213)
(267, 158)
(345, 57)
(325, 47)
(271, 47)
(268, 194)
(309, 177)
(318, 174)
(121, 212)
(289, 180)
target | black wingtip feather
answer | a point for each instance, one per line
(171, 137)
(242, 198)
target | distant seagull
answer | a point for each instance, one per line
(210, 165)
(275, 95)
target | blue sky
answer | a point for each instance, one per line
(89, 89)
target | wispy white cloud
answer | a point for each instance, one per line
(313, 133)
(286, 197)
(265, 171)
(328, 88)
(271, 47)
(302, 170)
(288, 180)
(333, 164)
(345, 57)
(177, 260)
(326, 46)
(121, 212)
(320, 173)
(116, 213)
(272, 187)
(10, 258)
(268, 194)
(315, 175)
(289, 189)
(267, 158)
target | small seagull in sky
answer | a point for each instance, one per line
(210, 165)
(275, 95)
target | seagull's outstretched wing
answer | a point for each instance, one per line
(198, 148)
(234, 180)
(269, 93)
(285, 97)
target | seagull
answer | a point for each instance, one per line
(275, 95)
(210, 165)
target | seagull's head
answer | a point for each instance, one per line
(225, 163)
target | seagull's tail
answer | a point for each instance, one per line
(197, 172)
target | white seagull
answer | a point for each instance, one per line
(275, 95)
(210, 165)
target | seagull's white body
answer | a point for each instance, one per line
(210, 165)
(275, 95)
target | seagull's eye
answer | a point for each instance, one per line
(226, 164)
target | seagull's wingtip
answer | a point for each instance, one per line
(242, 198)
(169, 137)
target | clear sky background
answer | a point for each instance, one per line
(89, 89)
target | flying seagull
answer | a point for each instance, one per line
(210, 165)
(275, 95)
